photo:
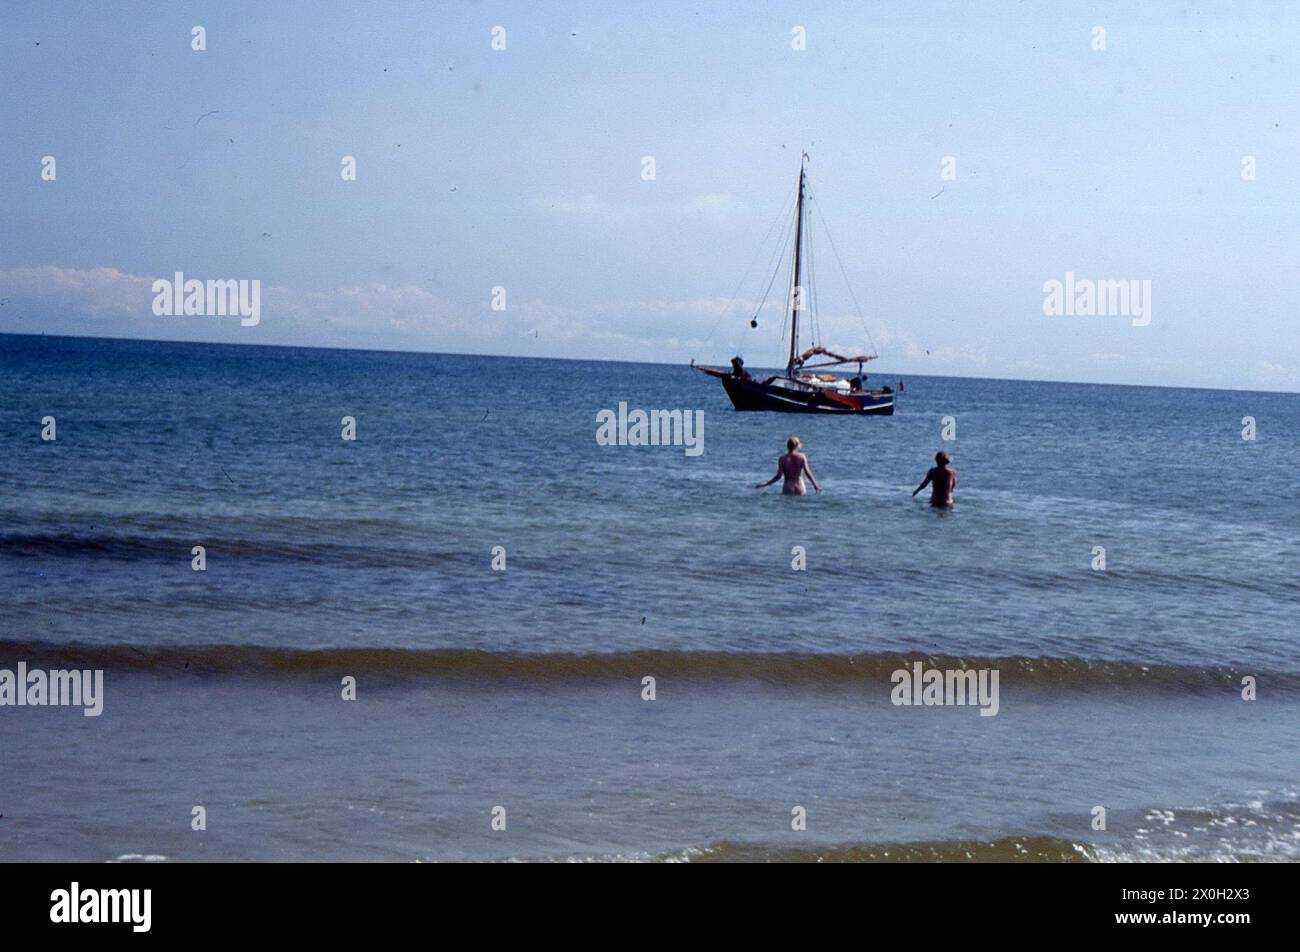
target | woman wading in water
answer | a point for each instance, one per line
(942, 480)
(792, 467)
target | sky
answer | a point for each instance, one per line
(523, 169)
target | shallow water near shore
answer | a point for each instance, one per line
(523, 688)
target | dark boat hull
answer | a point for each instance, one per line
(751, 394)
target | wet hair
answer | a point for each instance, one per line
(792, 444)
(942, 458)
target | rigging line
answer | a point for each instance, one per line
(808, 315)
(798, 301)
(847, 283)
(780, 216)
(810, 282)
(776, 264)
(814, 310)
(785, 317)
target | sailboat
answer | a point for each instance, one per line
(800, 389)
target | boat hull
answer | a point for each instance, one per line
(750, 394)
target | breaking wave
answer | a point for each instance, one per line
(801, 669)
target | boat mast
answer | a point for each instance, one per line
(796, 295)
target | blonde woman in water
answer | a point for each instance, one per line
(792, 466)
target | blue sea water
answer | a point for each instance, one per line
(327, 557)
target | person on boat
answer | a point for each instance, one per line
(942, 480)
(792, 467)
(738, 369)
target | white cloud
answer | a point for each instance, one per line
(712, 206)
(113, 302)
(1276, 377)
(716, 205)
(696, 307)
(588, 207)
(94, 292)
(106, 301)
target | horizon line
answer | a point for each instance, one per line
(600, 360)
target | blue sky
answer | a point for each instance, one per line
(522, 168)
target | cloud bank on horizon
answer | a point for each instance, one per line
(474, 179)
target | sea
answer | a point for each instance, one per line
(473, 632)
